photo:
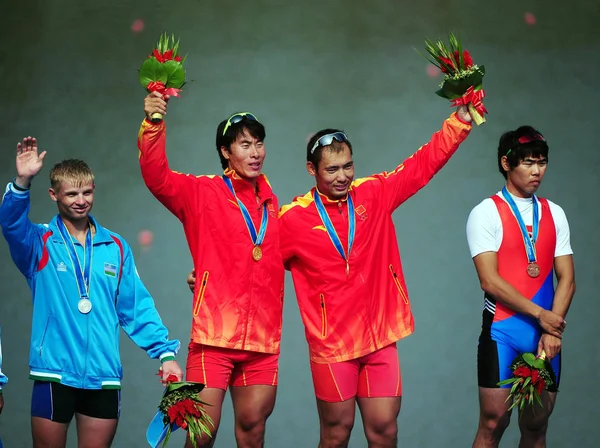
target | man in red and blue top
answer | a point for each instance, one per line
(339, 242)
(518, 241)
(230, 222)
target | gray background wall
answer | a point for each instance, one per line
(68, 77)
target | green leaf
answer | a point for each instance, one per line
(175, 74)
(539, 364)
(529, 358)
(185, 386)
(460, 53)
(538, 399)
(152, 71)
(515, 387)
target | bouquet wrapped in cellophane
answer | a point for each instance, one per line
(463, 80)
(163, 70)
(531, 376)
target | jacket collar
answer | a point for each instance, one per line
(242, 186)
(101, 236)
(326, 200)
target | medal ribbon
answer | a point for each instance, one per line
(529, 244)
(256, 239)
(335, 239)
(82, 276)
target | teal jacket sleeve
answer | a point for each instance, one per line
(138, 315)
(24, 238)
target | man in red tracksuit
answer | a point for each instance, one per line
(230, 222)
(339, 242)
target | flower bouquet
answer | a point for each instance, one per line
(531, 375)
(163, 70)
(462, 78)
(180, 407)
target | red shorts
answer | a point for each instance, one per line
(219, 367)
(374, 375)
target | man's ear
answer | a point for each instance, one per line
(312, 170)
(226, 153)
(53, 194)
(504, 163)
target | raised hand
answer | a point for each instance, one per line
(155, 103)
(463, 114)
(29, 162)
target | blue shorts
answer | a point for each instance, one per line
(57, 402)
(501, 342)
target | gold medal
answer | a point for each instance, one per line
(257, 253)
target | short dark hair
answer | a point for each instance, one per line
(315, 157)
(253, 127)
(515, 151)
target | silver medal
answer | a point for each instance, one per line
(84, 306)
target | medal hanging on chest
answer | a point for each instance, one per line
(335, 239)
(533, 268)
(257, 238)
(82, 274)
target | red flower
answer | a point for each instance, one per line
(180, 411)
(168, 55)
(540, 386)
(164, 57)
(535, 377)
(446, 61)
(467, 59)
(522, 372)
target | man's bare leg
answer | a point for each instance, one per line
(252, 406)
(337, 420)
(494, 417)
(95, 432)
(48, 434)
(380, 420)
(534, 422)
(214, 397)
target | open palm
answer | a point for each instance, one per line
(29, 162)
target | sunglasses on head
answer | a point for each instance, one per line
(236, 118)
(328, 139)
(528, 139)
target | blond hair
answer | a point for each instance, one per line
(72, 170)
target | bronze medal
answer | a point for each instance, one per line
(533, 270)
(257, 253)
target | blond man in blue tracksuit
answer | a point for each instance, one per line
(85, 286)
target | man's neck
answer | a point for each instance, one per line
(77, 228)
(516, 192)
(251, 181)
